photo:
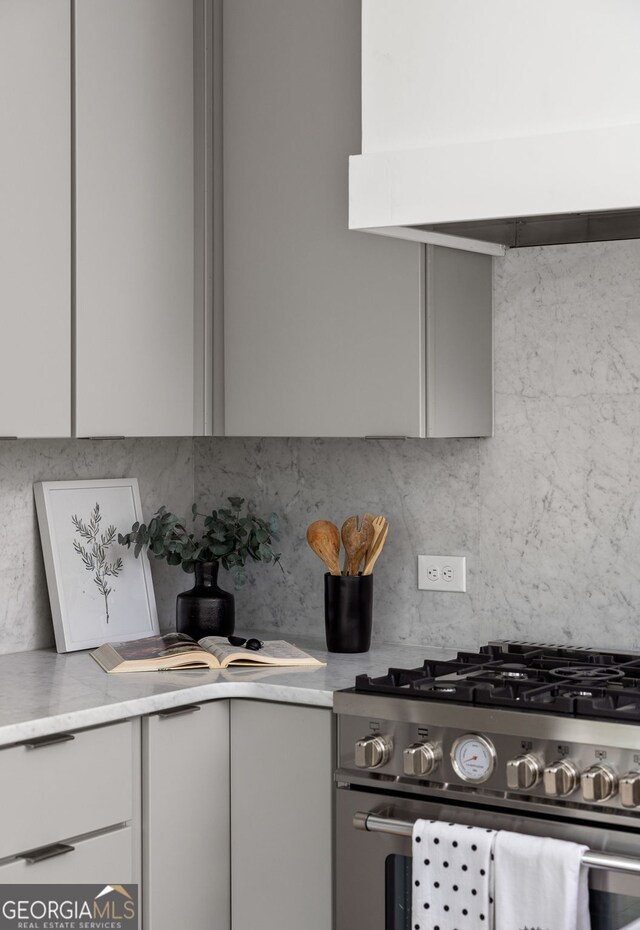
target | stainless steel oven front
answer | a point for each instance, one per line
(378, 798)
(373, 858)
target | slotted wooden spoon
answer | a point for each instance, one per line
(324, 539)
(356, 540)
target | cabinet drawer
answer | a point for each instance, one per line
(97, 859)
(63, 789)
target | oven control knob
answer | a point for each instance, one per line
(560, 778)
(630, 789)
(523, 772)
(372, 751)
(421, 758)
(599, 783)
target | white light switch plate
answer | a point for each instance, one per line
(442, 573)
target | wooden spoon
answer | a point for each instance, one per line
(356, 540)
(324, 539)
(380, 529)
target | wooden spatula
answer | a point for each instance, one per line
(324, 539)
(356, 540)
(380, 530)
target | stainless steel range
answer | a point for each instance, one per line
(519, 736)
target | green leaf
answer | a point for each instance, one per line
(239, 576)
(218, 549)
(236, 502)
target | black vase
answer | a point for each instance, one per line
(205, 610)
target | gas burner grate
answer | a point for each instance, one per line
(587, 674)
(524, 676)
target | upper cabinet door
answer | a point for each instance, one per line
(35, 219)
(323, 328)
(329, 332)
(134, 169)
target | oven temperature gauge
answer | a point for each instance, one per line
(473, 758)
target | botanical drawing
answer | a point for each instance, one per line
(94, 552)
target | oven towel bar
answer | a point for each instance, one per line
(364, 820)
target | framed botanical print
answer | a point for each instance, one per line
(99, 591)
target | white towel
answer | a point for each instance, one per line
(451, 877)
(540, 884)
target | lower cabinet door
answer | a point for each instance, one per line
(186, 877)
(281, 815)
(68, 787)
(103, 859)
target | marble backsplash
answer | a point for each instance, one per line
(547, 512)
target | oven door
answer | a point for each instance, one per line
(373, 866)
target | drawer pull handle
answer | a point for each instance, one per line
(176, 711)
(45, 852)
(48, 740)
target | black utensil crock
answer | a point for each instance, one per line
(348, 612)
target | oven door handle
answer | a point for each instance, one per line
(374, 823)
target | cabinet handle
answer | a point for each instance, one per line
(2, 438)
(45, 852)
(386, 437)
(176, 711)
(48, 740)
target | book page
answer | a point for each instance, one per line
(274, 651)
(156, 647)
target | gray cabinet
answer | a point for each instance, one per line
(329, 332)
(88, 859)
(186, 818)
(102, 222)
(136, 343)
(35, 218)
(71, 819)
(158, 810)
(281, 812)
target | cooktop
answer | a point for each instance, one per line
(524, 676)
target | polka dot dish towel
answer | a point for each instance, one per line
(451, 876)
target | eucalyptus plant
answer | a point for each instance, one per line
(225, 535)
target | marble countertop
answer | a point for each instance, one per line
(42, 692)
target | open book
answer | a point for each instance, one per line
(177, 650)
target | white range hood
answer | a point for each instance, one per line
(496, 124)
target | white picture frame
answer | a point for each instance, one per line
(99, 591)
